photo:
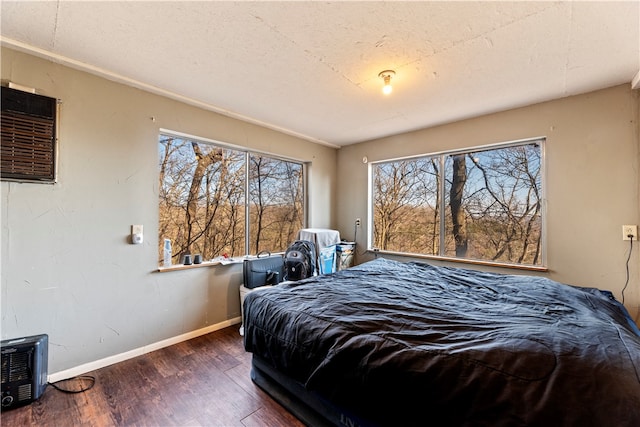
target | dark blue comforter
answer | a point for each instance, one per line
(415, 344)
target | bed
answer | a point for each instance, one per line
(391, 343)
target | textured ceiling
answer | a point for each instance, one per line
(311, 68)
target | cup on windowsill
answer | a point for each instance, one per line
(186, 259)
(197, 259)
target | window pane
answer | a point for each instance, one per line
(276, 197)
(493, 201)
(201, 198)
(405, 206)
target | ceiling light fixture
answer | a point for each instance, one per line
(386, 76)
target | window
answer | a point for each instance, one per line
(216, 200)
(483, 204)
(28, 129)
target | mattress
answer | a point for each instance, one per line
(405, 343)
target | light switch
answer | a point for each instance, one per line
(136, 234)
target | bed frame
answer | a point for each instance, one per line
(308, 407)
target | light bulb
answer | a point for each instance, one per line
(386, 76)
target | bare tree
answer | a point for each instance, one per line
(508, 203)
(456, 194)
(401, 205)
(393, 185)
(204, 160)
(276, 193)
(435, 233)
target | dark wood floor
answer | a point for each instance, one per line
(201, 382)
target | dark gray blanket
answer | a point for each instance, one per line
(414, 344)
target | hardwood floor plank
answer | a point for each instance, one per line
(201, 382)
(271, 417)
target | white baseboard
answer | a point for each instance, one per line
(92, 366)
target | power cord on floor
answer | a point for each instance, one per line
(627, 266)
(81, 379)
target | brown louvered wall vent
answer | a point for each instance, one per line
(28, 133)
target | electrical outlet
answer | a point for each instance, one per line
(629, 230)
(357, 222)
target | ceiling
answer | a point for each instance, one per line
(310, 68)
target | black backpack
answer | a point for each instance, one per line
(299, 260)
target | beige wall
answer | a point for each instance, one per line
(67, 267)
(592, 163)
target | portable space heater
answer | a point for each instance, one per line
(24, 370)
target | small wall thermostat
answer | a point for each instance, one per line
(136, 234)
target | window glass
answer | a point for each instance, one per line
(405, 204)
(203, 205)
(276, 203)
(491, 199)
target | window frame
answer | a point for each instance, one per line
(441, 157)
(247, 152)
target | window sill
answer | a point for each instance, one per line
(462, 261)
(211, 263)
